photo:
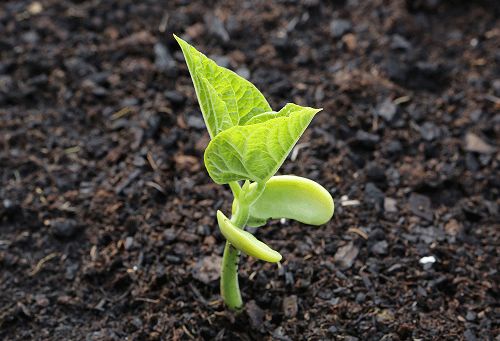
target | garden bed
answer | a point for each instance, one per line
(108, 216)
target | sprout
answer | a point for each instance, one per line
(249, 143)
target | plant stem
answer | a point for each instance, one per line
(229, 286)
(235, 187)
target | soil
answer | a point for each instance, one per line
(107, 214)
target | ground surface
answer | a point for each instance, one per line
(107, 214)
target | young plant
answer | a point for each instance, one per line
(249, 143)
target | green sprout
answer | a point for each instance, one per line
(249, 143)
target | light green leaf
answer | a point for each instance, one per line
(262, 118)
(255, 152)
(225, 98)
(284, 112)
(214, 104)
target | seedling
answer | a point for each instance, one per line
(249, 143)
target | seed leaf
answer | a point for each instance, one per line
(291, 197)
(226, 99)
(245, 241)
(256, 151)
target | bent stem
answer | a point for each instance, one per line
(229, 286)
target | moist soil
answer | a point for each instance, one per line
(108, 217)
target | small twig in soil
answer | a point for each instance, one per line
(197, 293)
(353, 229)
(298, 147)
(150, 300)
(120, 113)
(153, 164)
(187, 332)
(402, 99)
(72, 150)
(41, 262)
(155, 185)
(492, 98)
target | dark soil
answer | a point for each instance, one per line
(107, 214)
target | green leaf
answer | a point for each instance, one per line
(213, 104)
(284, 112)
(226, 99)
(255, 152)
(245, 241)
